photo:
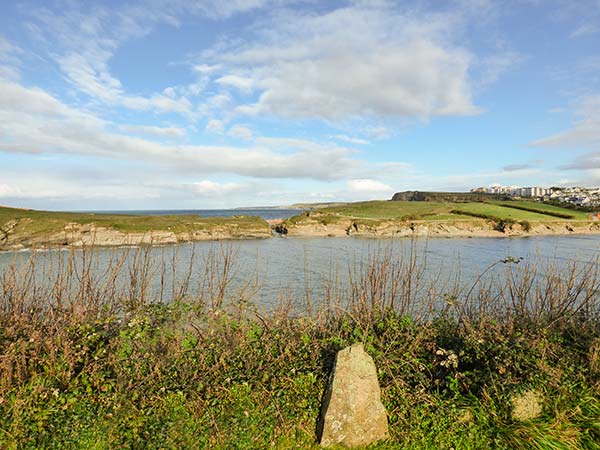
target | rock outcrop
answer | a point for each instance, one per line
(422, 228)
(80, 235)
(352, 413)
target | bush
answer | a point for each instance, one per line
(526, 225)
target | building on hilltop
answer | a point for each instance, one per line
(580, 196)
(514, 191)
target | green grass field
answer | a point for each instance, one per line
(41, 222)
(505, 210)
(502, 212)
(544, 208)
(381, 209)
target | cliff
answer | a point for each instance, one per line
(322, 225)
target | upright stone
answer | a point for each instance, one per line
(352, 413)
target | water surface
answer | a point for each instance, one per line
(297, 268)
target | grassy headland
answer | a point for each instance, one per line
(491, 217)
(26, 228)
(87, 364)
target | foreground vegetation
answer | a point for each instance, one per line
(108, 358)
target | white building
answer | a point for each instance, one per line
(534, 191)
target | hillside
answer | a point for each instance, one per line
(403, 218)
(22, 228)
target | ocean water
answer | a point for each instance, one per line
(295, 269)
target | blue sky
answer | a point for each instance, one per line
(198, 104)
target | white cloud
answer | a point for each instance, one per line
(188, 90)
(369, 185)
(34, 122)
(47, 186)
(240, 131)
(16, 99)
(378, 132)
(241, 83)
(517, 167)
(214, 103)
(7, 49)
(217, 10)
(367, 59)
(215, 126)
(82, 38)
(288, 144)
(584, 134)
(205, 68)
(9, 60)
(157, 101)
(170, 92)
(9, 72)
(492, 67)
(353, 62)
(389, 170)
(89, 72)
(584, 30)
(9, 191)
(174, 132)
(207, 187)
(351, 140)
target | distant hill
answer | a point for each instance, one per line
(456, 197)
(315, 205)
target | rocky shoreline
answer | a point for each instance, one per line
(449, 229)
(87, 235)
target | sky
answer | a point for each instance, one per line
(194, 104)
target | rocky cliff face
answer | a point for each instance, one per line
(399, 228)
(79, 235)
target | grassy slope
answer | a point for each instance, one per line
(47, 222)
(578, 215)
(385, 210)
(389, 210)
(503, 212)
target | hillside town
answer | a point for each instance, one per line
(579, 196)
